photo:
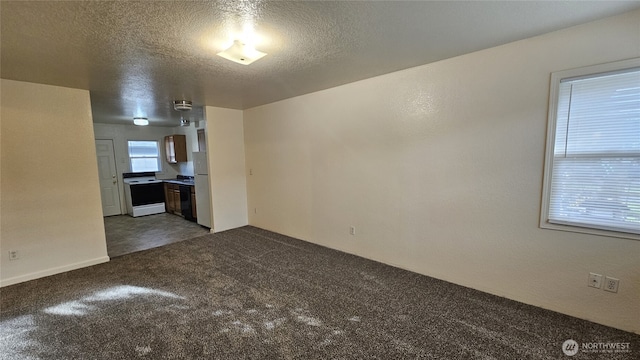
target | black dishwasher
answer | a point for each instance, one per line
(185, 202)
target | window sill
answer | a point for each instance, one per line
(590, 231)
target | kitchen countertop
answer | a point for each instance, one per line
(179, 182)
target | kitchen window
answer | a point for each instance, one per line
(144, 156)
(592, 167)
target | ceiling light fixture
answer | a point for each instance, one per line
(182, 105)
(241, 53)
(140, 121)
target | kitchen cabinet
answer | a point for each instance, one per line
(176, 199)
(172, 199)
(180, 199)
(175, 147)
(169, 203)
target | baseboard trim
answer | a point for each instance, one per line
(53, 271)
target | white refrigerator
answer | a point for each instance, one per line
(201, 178)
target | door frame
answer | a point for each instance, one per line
(119, 187)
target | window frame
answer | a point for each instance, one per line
(159, 157)
(556, 78)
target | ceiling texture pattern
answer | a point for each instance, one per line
(136, 57)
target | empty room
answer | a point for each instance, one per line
(320, 179)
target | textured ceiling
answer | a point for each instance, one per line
(137, 57)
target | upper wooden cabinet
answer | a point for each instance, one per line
(175, 147)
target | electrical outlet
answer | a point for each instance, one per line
(352, 230)
(611, 284)
(595, 280)
(13, 255)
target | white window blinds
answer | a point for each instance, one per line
(595, 177)
(144, 156)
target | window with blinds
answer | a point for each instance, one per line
(592, 174)
(144, 156)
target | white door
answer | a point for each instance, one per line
(108, 178)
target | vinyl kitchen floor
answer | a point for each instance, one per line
(126, 234)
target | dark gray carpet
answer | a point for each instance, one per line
(252, 294)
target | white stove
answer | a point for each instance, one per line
(144, 194)
(141, 180)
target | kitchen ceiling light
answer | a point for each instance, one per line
(241, 53)
(140, 121)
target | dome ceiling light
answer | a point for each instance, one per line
(241, 53)
(140, 121)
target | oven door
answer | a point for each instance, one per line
(146, 194)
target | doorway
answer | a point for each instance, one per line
(109, 192)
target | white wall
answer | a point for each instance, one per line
(227, 178)
(50, 206)
(439, 168)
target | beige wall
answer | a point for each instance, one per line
(439, 168)
(227, 180)
(50, 206)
